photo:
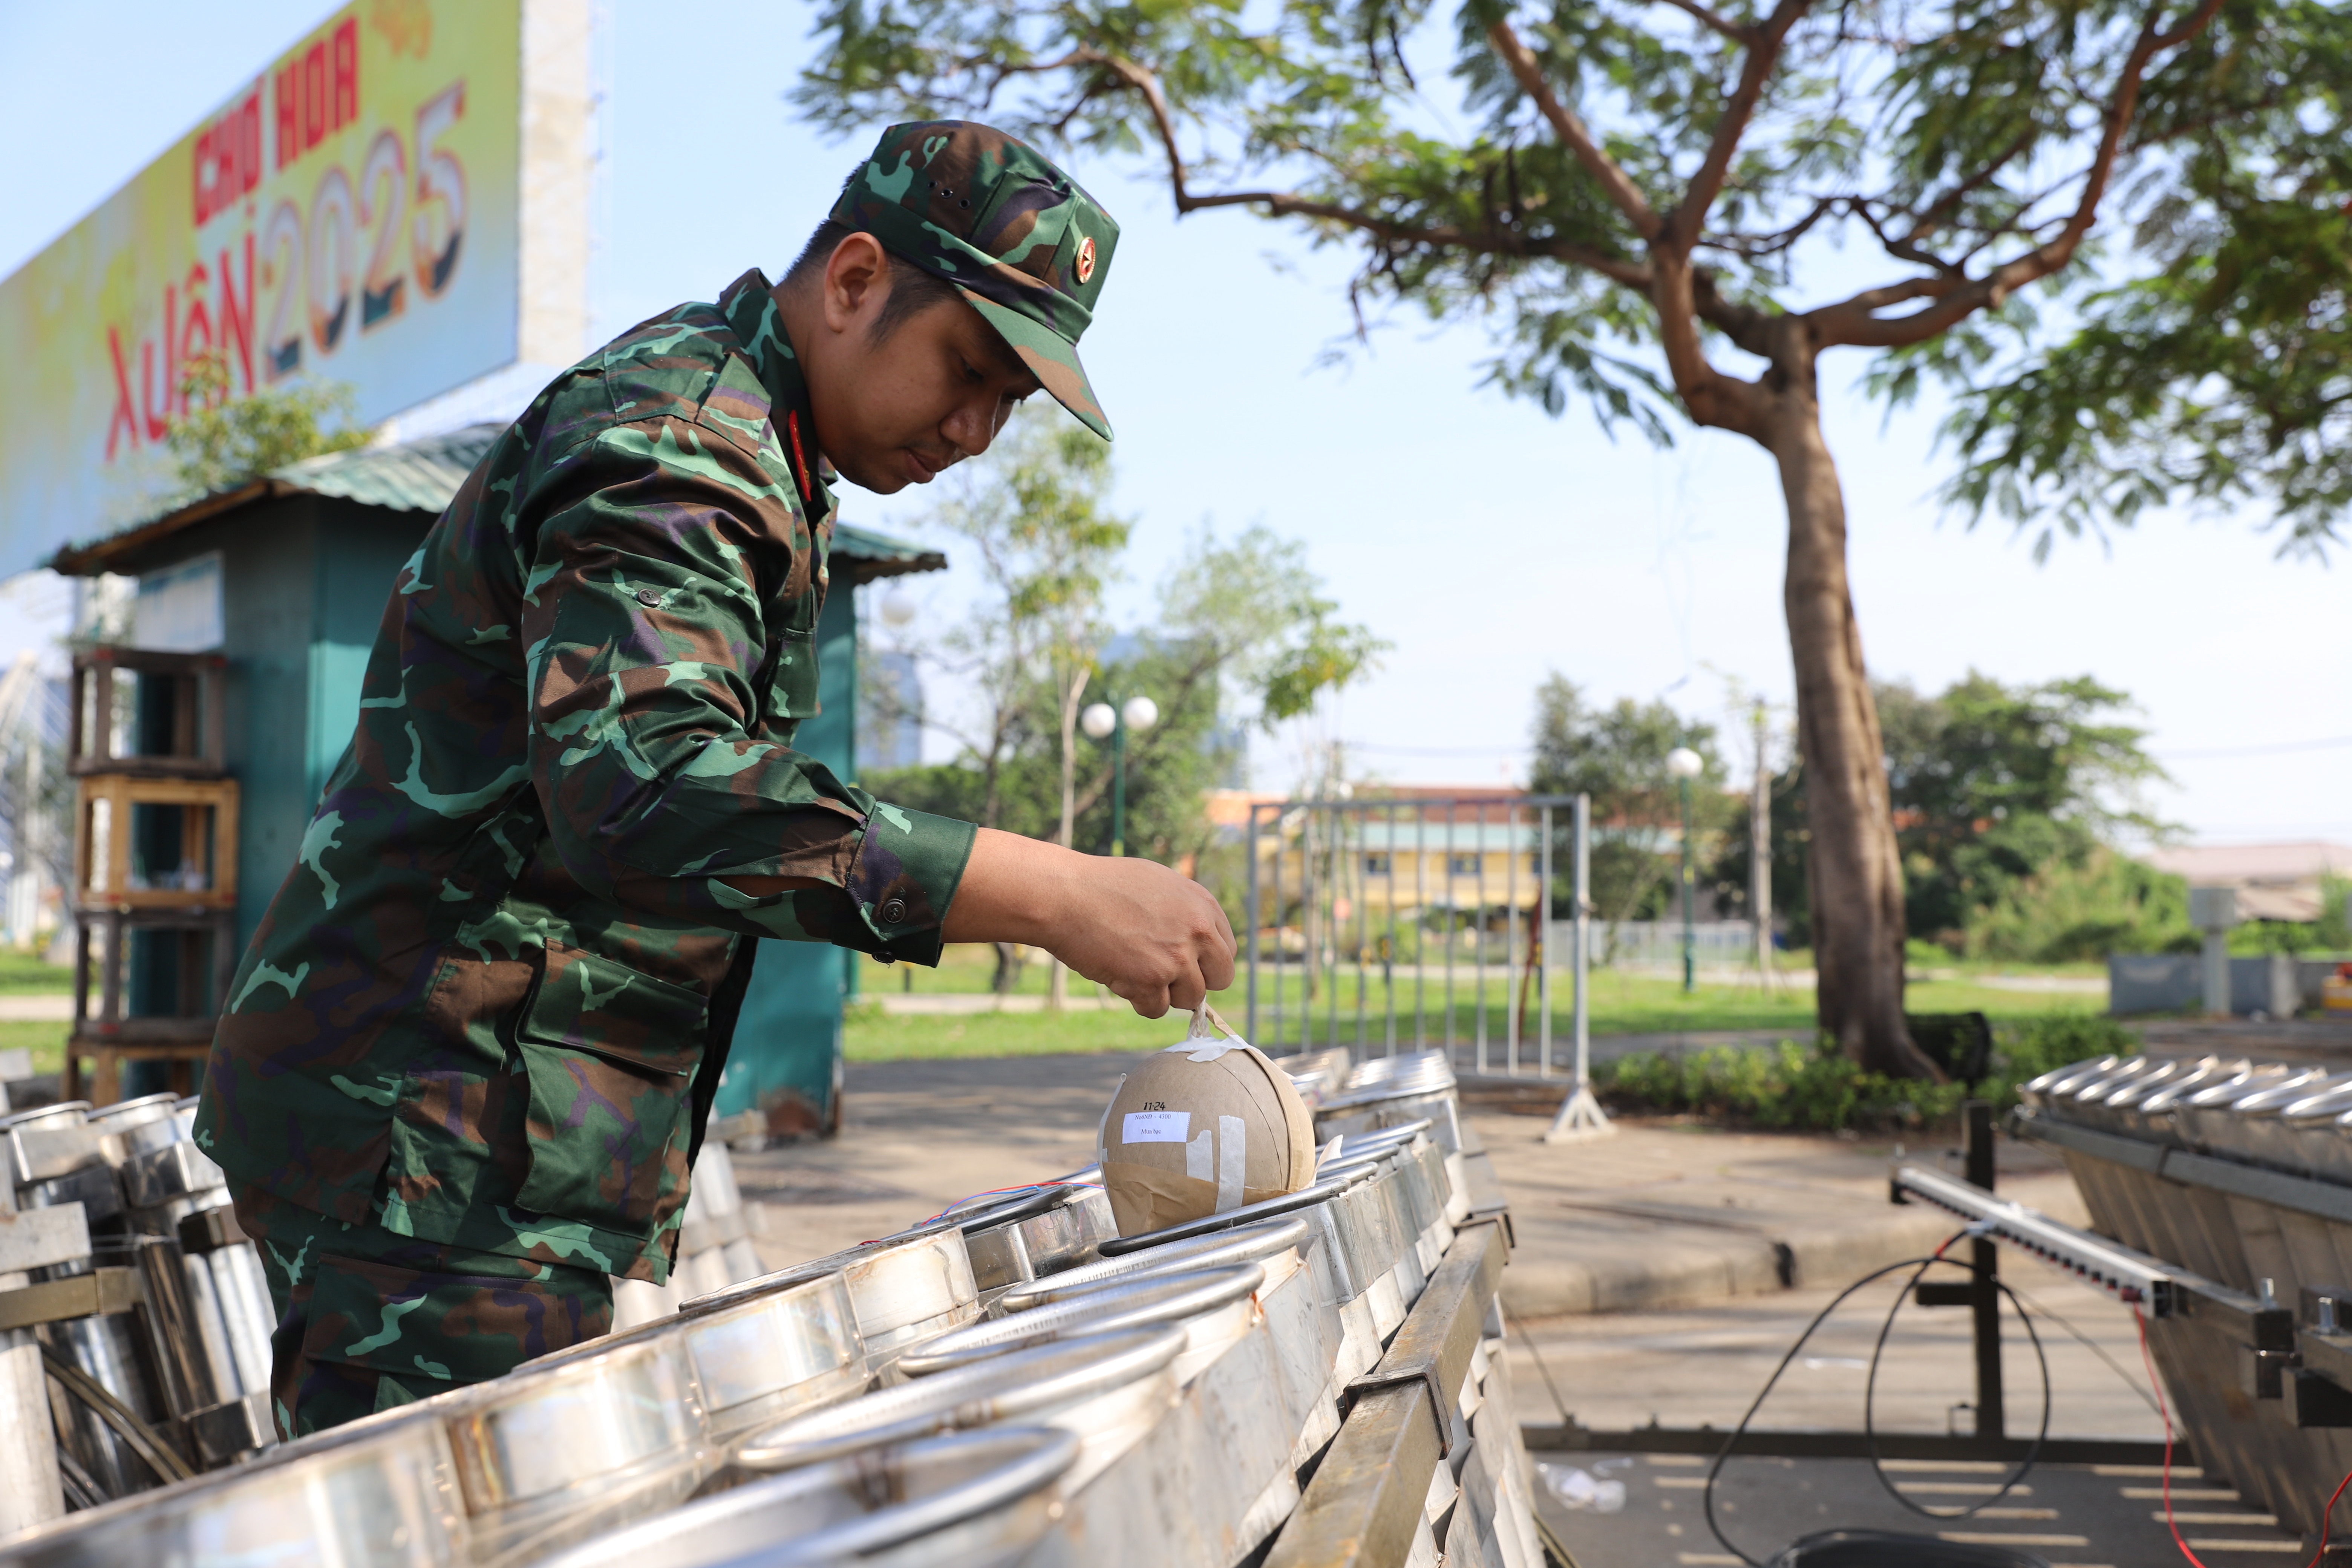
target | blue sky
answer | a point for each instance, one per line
(1489, 542)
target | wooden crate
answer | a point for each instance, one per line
(102, 1085)
(102, 877)
(198, 683)
(106, 1035)
(101, 950)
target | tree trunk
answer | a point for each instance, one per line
(1011, 958)
(1856, 872)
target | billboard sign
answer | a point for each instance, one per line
(352, 213)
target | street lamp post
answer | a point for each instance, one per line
(1102, 721)
(1686, 765)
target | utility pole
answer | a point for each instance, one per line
(1759, 854)
(1685, 765)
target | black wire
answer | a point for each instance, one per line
(1707, 1498)
(136, 1434)
(2096, 1349)
(1870, 1393)
(80, 1491)
(1529, 1340)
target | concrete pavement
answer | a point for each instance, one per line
(1669, 1212)
(1664, 1214)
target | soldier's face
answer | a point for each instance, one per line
(894, 409)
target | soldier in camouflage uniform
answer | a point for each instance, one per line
(464, 1069)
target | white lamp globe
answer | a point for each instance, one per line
(1098, 721)
(897, 607)
(1682, 762)
(1141, 712)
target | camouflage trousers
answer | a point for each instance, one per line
(368, 1319)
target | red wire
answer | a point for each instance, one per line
(2157, 1383)
(2324, 1513)
(2165, 1415)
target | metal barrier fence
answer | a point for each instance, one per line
(1403, 924)
(1659, 943)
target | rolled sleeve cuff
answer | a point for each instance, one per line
(907, 868)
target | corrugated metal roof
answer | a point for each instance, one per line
(415, 476)
(423, 474)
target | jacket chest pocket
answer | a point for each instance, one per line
(610, 1055)
(792, 693)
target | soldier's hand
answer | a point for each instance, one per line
(1156, 939)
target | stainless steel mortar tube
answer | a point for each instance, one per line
(1246, 1244)
(380, 1493)
(1107, 1388)
(2036, 1091)
(1213, 1305)
(755, 1360)
(906, 1287)
(31, 1491)
(976, 1500)
(56, 1155)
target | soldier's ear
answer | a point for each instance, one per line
(855, 281)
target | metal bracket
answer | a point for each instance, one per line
(209, 1230)
(99, 1291)
(2314, 1400)
(1440, 1335)
(2262, 1374)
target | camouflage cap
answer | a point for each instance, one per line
(1014, 233)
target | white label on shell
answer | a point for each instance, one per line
(1156, 1127)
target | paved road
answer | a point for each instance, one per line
(2071, 1516)
(1688, 1230)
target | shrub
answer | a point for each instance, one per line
(1818, 1090)
(2069, 912)
(2024, 1048)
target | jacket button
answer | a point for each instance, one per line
(893, 912)
(647, 597)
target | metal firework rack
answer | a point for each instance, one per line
(1314, 1380)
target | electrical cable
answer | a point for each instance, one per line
(2321, 1555)
(2156, 1383)
(1707, 1498)
(1723, 1454)
(80, 1491)
(1870, 1393)
(141, 1438)
(1529, 1340)
(2094, 1346)
(2147, 1359)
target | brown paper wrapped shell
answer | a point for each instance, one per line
(1199, 1128)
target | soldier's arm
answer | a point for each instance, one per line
(1155, 938)
(644, 629)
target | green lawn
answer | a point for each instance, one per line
(46, 1041)
(868, 1036)
(24, 973)
(1622, 1003)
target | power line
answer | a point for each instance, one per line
(2267, 750)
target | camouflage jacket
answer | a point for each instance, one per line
(490, 1002)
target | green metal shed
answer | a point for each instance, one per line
(304, 559)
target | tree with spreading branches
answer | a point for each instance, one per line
(1661, 209)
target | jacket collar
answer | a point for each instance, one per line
(749, 306)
